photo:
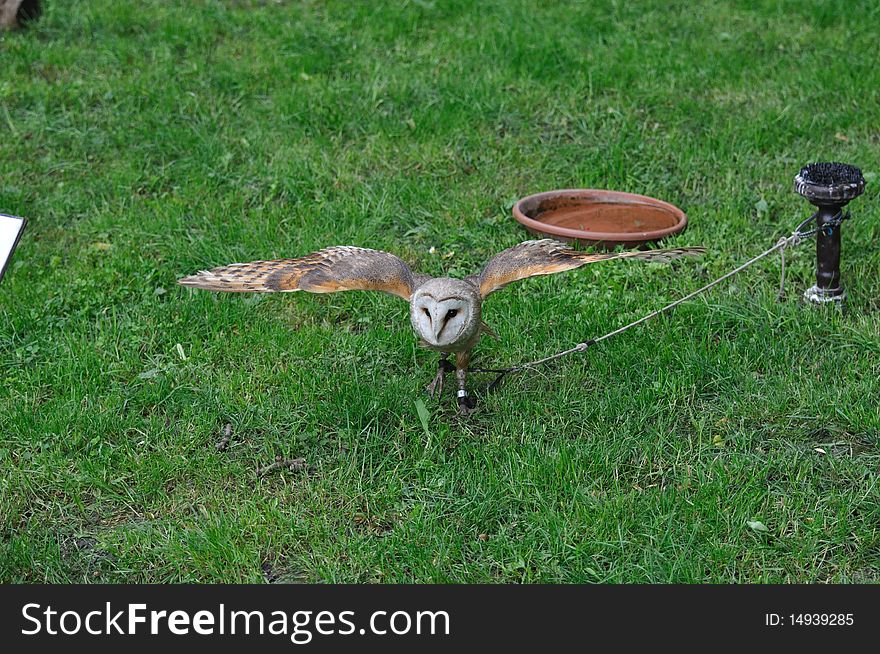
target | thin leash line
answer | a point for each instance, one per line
(794, 239)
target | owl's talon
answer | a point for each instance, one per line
(467, 406)
(435, 388)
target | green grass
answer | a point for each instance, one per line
(148, 140)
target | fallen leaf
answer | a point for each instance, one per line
(762, 207)
(841, 137)
(422, 410)
(293, 465)
(757, 525)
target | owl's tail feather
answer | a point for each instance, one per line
(488, 331)
(663, 256)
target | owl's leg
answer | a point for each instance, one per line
(436, 386)
(466, 404)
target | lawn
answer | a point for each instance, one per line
(733, 440)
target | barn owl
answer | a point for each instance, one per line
(445, 313)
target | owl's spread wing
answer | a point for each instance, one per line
(547, 256)
(333, 269)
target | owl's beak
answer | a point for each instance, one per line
(431, 339)
(437, 325)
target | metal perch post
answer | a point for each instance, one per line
(829, 187)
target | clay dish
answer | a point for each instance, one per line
(604, 219)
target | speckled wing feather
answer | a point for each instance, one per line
(547, 256)
(333, 269)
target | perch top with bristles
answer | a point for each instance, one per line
(829, 182)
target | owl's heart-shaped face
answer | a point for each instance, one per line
(445, 312)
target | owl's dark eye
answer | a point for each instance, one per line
(427, 313)
(452, 313)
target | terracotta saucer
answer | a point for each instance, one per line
(597, 218)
